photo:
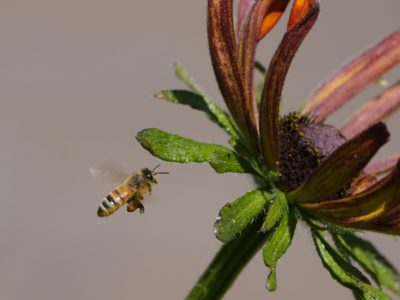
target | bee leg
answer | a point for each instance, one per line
(141, 208)
(131, 207)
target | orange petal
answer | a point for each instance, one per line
(272, 12)
(299, 10)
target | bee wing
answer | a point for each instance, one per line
(109, 171)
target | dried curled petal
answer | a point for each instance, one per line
(270, 100)
(354, 77)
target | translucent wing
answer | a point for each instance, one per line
(109, 171)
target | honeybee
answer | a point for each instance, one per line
(131, 191)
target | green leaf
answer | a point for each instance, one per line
(202, 103)
(172, 147)
(258, 89)
(237, 215)
(373, 262)
(260, 68)
(228, 161)
(277, 244)
(185, 78)
(344, 272)
(275, 211)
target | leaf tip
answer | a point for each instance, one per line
(271, 281)
(142, 138)
(159, 95)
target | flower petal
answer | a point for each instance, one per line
(224, 58)
(383, 166)
(342, 166)
(246, 53)
(279, 66)
(299, 10)
(273, 10)
(362, 183)
(374, 111)
(244, 7)
(377, 208)
(354, 77)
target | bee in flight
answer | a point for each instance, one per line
(131, 191)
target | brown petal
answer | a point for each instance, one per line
(244, 7)
(342, 166)
(377, 208)
(270, 100)
(354, 77)
(383, 166)
(224, 56)
(247, 48)
(374, 111)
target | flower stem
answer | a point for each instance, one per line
(228, 263)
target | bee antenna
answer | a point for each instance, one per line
(155, 168)
(161, 173)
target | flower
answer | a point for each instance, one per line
(323, 171)
(305, 169)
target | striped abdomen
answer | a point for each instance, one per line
(115, 200)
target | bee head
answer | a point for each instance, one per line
(150, 175)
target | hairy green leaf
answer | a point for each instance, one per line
(275, 211)
(185, 78)
(172, 147)
(277, 244)
(202, 103)
(228, 161)
(344, 272)
(373, 262)
(237, 215)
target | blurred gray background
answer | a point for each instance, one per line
(76, 84)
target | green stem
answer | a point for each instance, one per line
(228, 263)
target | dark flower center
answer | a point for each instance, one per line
(304, 145)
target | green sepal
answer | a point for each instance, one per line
(202, 103)
(172, 147)
(371, 260)
(277, 244)
(277, 208)
(345, 273)
(237, 215)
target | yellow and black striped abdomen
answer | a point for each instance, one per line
(114, 200)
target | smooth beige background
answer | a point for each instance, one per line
(76, 84)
